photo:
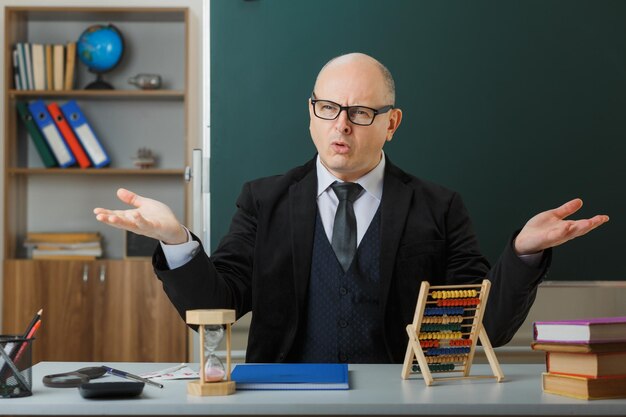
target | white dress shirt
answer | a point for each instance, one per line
(365, 206)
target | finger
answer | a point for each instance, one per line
(584, 226)
(111, 219)
(117, 220)
(129, 197)
(568, 208)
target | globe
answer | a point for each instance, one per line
(100, 48)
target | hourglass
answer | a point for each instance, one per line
(214, 379)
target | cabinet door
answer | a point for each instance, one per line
(135, 321)
(62, 290)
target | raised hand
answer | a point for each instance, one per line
(148, 217)
(549, 228)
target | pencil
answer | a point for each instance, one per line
(128, 375)
(32, 323)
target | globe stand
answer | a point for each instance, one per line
(99, 84)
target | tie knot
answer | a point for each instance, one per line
(347, 190)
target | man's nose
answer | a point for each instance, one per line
(343, 123)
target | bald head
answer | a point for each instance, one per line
(364, 66)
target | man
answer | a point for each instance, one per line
(289, 256)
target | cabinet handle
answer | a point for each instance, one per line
(103, 272)
(85, 272)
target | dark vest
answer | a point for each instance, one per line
(343, 322)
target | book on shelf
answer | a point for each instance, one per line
(21, 61)
(83, 252)
(64, 257)
(49, 72)
(16, 70)
(588, 365)
(70, 64)
(69, 136)
(39, 66)
(62, 245)
(596, 330)
(62, 237)
(29, 66)
(58, 66)
(584, 388)
(87, 137)
(291, 376)
(78, 245)
(51, 133)
(47, 158)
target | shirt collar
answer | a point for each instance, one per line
(372, 182)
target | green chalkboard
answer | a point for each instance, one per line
(518, 105)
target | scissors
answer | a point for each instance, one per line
(74, 378)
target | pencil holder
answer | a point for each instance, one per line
(15, 366)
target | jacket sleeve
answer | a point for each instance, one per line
(222, 280)
(513, 290)
(513, 282)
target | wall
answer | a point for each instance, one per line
(517, 105)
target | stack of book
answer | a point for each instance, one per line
(77, 246)
(44, 67)
(584, 358)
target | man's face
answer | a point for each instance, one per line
(348, 150)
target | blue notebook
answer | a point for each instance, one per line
(291, 376)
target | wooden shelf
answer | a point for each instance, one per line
(100, 94)
(92, 297)
(94, 171)
(97, 14)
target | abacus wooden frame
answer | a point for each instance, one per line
(414, 349)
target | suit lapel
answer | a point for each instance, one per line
(302, 214)
(395, 205)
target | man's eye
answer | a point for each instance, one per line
(361, 112)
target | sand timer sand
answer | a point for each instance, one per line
(214, 379)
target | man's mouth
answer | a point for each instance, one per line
(340, 147)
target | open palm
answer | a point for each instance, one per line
(149, 218)
(549, 228)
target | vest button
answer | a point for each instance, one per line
(343, 291)
(343, 323)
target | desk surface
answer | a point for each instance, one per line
(374, 390)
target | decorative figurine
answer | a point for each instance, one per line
(144, 159)
(214, 379)
(146, 81)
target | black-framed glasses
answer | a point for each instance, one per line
(359, 115)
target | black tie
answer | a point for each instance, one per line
(344, 229)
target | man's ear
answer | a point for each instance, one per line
(395, 118)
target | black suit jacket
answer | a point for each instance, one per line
(263, 263)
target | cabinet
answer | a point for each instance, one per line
(110, 309)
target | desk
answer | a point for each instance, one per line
(374, 390)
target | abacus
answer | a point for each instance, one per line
(445, 329)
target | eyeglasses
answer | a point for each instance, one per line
(359, 115)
